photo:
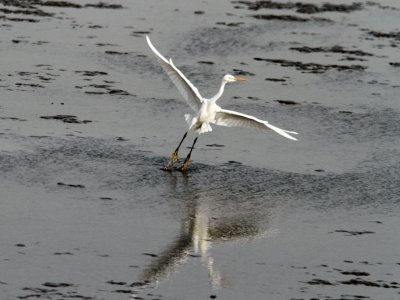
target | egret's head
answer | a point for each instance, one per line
(231, 78)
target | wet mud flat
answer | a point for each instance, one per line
(265, 231)
(87, 119)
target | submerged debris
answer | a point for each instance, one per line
(355, 273)
(333, 49)
(300, 7)
(354, 232)
(287, 102)
(390, 35)
(205, 62)
(317, 281)
(312, 67)
(57, 285)
(105, 5)
(66, 119)
(242, 72)
(290, 18)
(31, 7)
(81, 186)
(91, 73)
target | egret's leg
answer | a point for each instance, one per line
(174, 155)
(185, 165)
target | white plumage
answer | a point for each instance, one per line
(207, 112)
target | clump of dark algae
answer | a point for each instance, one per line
(300, 7)
(333, 49)
(312, 67)
(66, 119)
(35, 8)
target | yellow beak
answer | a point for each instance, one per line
(240, 78)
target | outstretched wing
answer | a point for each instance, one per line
(232, 118)
(185, 87)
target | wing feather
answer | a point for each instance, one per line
(232, 118)
(189, 92)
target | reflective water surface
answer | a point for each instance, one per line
(88, 118)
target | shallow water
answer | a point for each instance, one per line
(88, 119)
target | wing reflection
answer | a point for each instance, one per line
(208, 217)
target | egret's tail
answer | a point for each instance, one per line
(205, 127)
(198, 127)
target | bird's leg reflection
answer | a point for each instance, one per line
(174, 155)
(185, 165)
(205, 220)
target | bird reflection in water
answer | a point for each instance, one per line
(209, 217)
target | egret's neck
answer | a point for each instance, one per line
(220, 92)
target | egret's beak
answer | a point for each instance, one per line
(237, 78)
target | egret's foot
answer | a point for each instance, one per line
(167, 168)
(174, 157)
(185, 165)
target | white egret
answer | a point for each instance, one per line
(206, 110)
